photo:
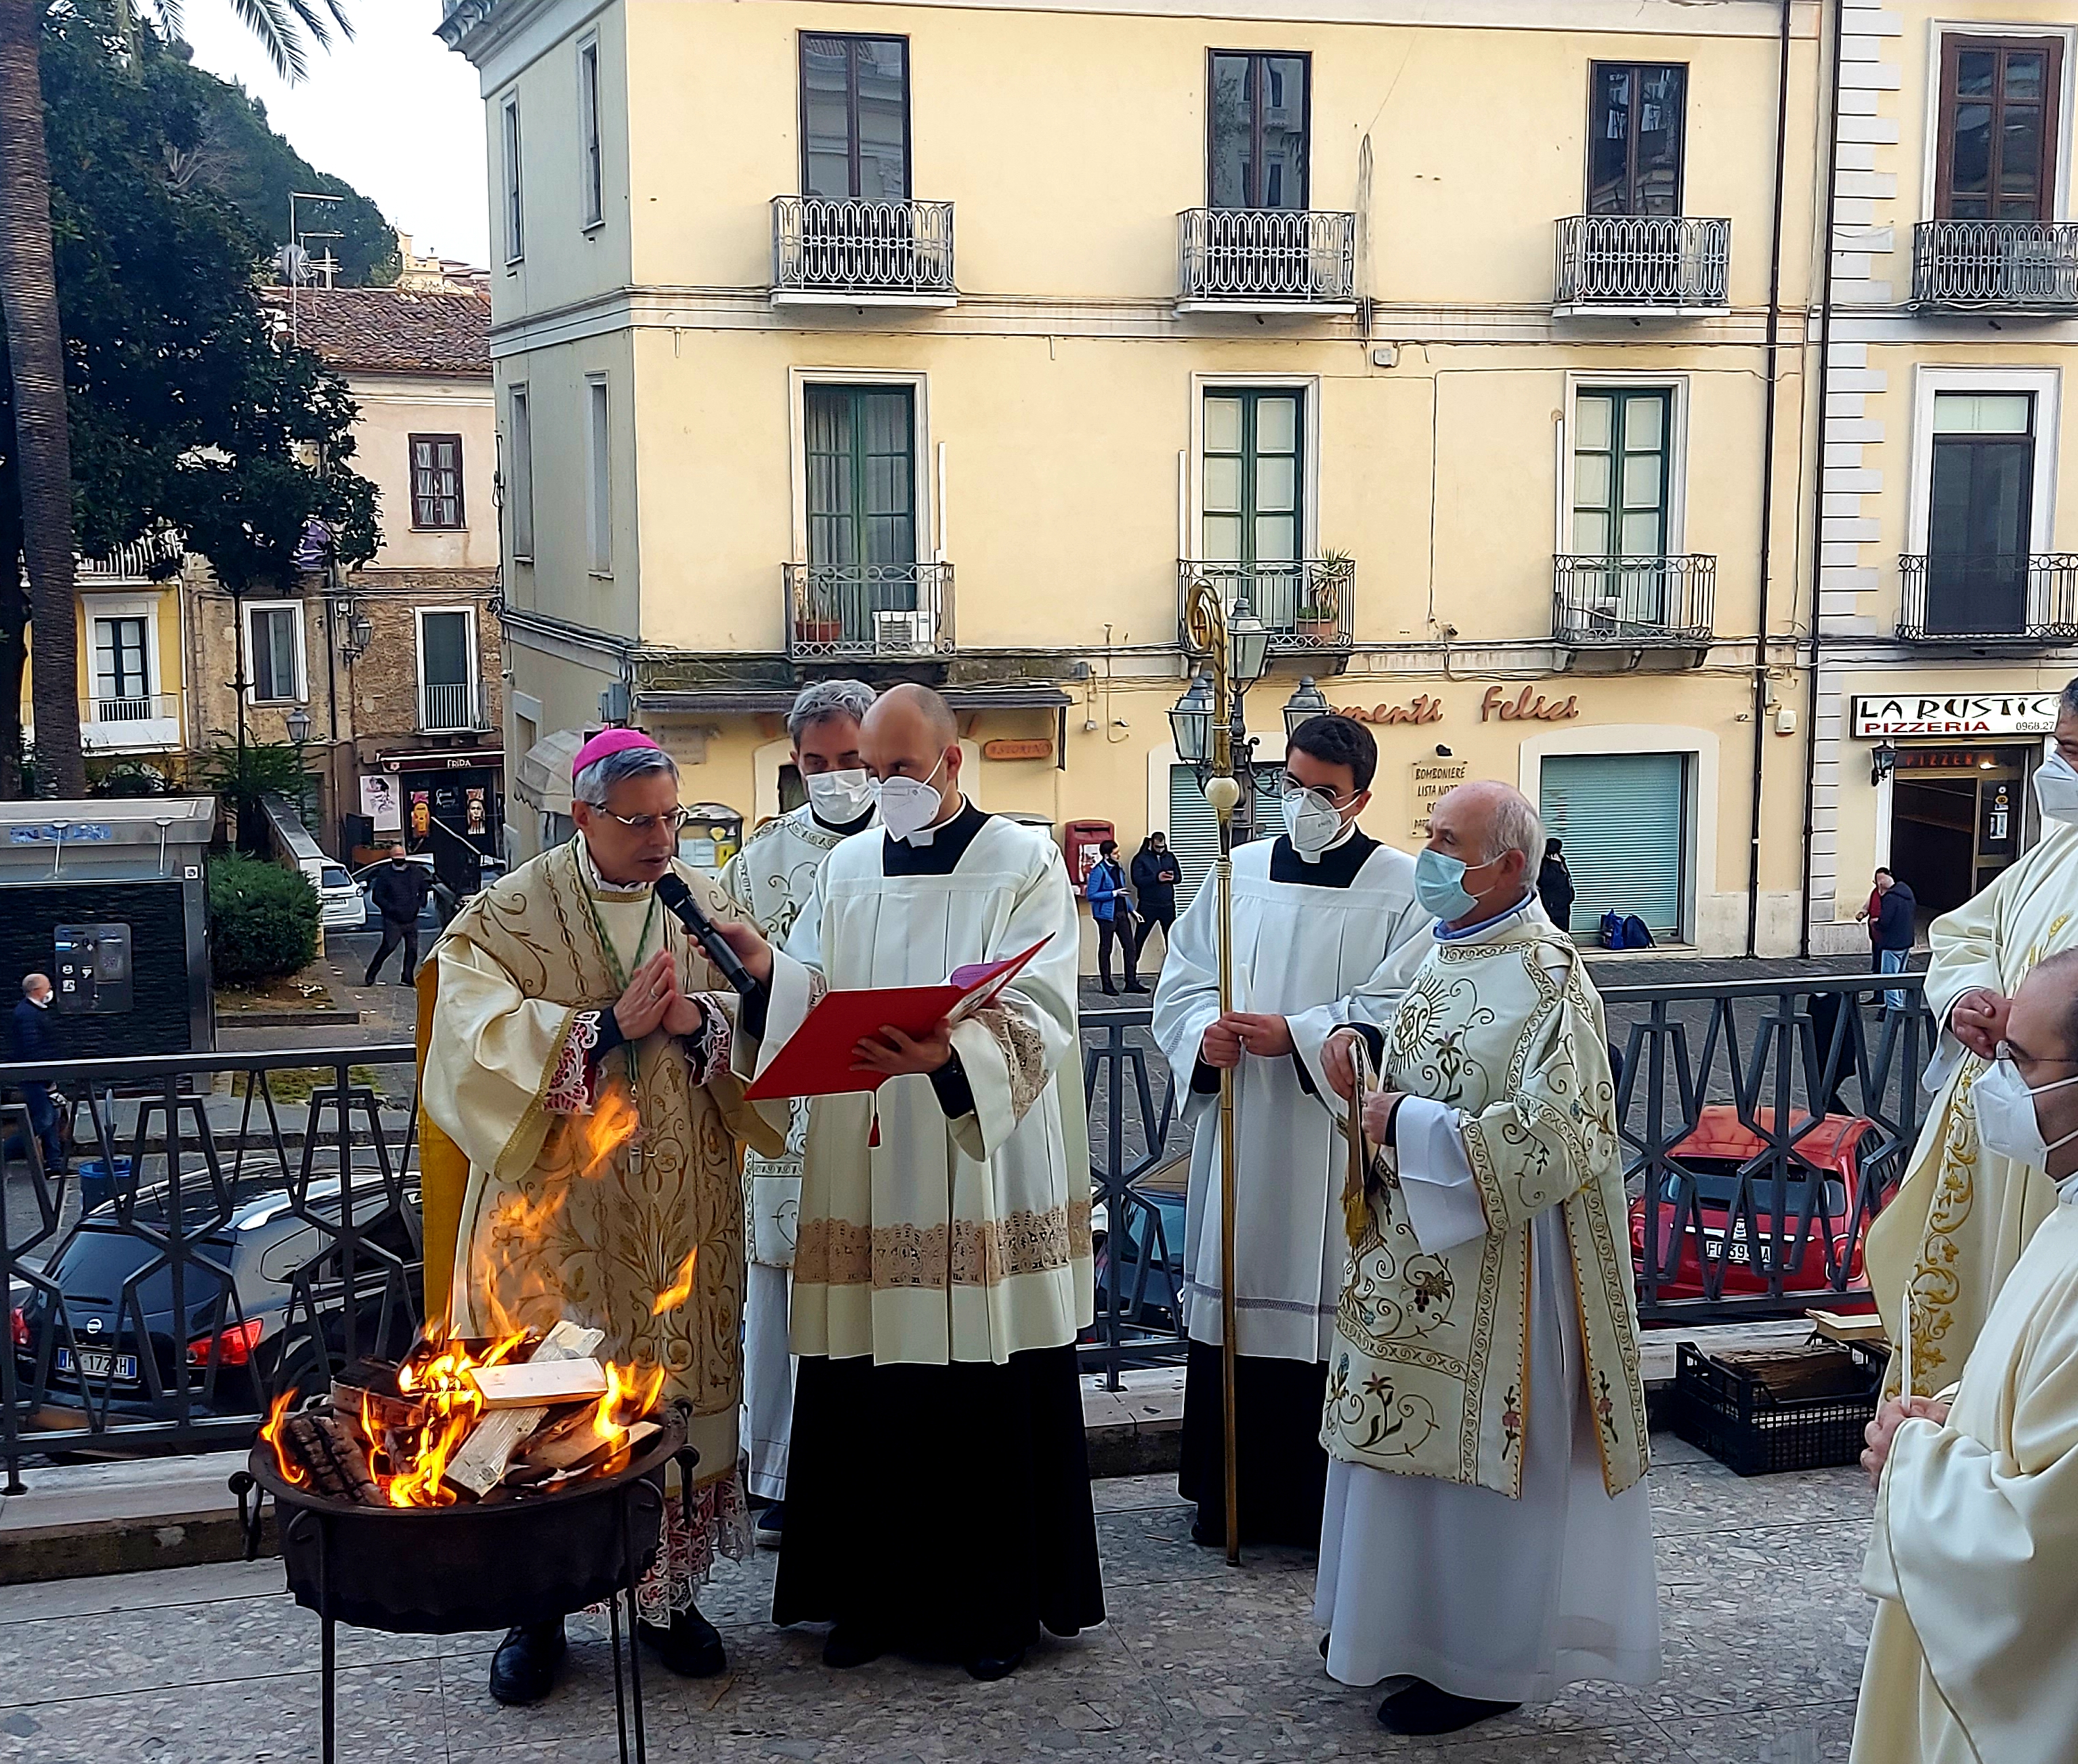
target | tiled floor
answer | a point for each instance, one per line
(1764, 1630)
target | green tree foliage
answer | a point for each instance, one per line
(239, 776)
(263, 921)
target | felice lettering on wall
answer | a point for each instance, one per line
(1527, 707)
(1432, 778)
(1424, 709)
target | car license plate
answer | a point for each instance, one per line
(95, 1363)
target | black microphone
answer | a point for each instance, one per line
(672, 891)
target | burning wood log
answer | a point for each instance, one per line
(541, 1384)
(331, 1451)
(480, 1465)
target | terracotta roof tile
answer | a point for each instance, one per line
(383, 330)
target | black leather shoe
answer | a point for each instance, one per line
(1325, 1640)
(1423, 1709)
(692, 1647)
(989, 1667)
(846, 1647)
(524, 1668)
(1134, 986)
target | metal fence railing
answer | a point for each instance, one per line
(1635, 600)
(839, 245)
(1300, 256)
(889, 610)
(1306, 602)
(1997, 266)
(2014, 595)
(1643, 261)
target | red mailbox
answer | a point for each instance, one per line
(1079, 840)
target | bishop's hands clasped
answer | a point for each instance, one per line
(654, 1000)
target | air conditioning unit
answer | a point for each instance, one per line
(901, 633)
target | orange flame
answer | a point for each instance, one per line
(632, 1392)
(680, 1289)
(292, 1472)
(610, 1125)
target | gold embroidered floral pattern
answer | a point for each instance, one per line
(835, 1253)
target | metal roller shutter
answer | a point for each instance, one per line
(1623, 818)
(1194, 830)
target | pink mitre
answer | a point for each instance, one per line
(608, 740)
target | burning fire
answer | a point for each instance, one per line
(680, 1289)
(630, 1391)
(610, 1125)
(292, 1472)
(412, 1471)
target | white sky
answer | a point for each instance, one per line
(394, 112)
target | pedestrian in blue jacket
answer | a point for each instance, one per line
(1112, 907)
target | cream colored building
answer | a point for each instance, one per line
(1948, 608)
(946, 342)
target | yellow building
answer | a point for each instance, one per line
(132, 697)
(1948, 608)
(1448, 346)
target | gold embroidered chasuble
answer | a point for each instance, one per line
(551, 1226)
(1963, 1215)
(949, 1239)
(1428, 1372)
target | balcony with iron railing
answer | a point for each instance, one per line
(451, 706)
(1641, 265)
(852, 250)
(1989, 596)
(1634, 602)
(1265, 260)
(1996, 265)
(156, 558)
(1306, 604)
(872, 611)
(132, 722)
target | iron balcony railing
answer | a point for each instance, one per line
(1280, 256)
(1996, 265)
(1633, 600)
(450, 705)
(868, 609)
(1643, 261)
(836, 246)
(2018, 596)
(1307, 604)
(145, 708)
(155, 557)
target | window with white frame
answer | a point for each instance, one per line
(520, 491)
(591, 171)
(599, 500)
(274, 652)
(122, 668)
(514, 217)
(447, 668)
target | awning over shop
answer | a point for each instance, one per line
(542, 777)
(756, 700)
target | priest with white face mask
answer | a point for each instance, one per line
(938, 1489)
(1942, 1247)
(1973, 1658)
(772, 879)
(1326, 931)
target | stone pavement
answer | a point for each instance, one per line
(1763, 1629)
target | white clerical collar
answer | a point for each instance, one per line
(1349, 832)
(2067, 1190)
(599, 884)
(925, 837)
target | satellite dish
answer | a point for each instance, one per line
(293, 263)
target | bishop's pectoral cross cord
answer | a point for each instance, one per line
(613, 965)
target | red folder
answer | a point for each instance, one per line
(817, 1059)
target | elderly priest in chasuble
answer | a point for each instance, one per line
(771, 880)
(1965, 1211)
(938, 1497)
(580, 1059)
(1487, 1531)
(1973, 1658)
(1325, 929)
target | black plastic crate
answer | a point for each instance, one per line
(1730, 1413)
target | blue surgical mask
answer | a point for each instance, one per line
(1439, 884)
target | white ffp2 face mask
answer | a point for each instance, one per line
(907, 805)
(838, 797)
(2006, 1120)
(1310, 820)
(2056, 789)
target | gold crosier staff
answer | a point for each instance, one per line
(1206, 623)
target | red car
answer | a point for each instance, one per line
(1692, 1213)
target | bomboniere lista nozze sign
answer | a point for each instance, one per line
(1956, 714)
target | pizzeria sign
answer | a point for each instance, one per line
(1961, 713)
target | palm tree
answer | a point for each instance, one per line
(35, 338)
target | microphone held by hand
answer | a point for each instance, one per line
(673, 891)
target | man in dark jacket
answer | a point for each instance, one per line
(1155, 874)
(1890, 913)
(398, 889)
(1554, 886)
(29, 1038)
(1112, 907)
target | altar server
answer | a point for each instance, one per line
(938, 1495)
(1487, 1539)
(1965, 1211)
(1973, 1658)
(772, 879)
(1326, 929)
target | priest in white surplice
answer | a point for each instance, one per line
(772, 879)
(938, 1495)
(1974, 1564)
(1488, 1538)
(1964, 1212)
(1325, 929)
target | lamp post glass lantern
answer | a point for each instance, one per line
(298, 723)
(1304, 705)
(1248, 641)
(1191, 721)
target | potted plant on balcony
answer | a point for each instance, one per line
(816, 625)
(1320, 599)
